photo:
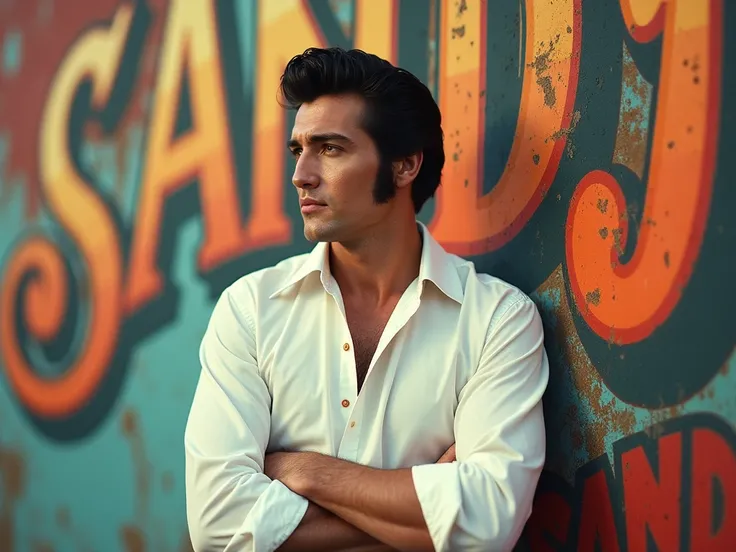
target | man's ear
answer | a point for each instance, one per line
(407, 169)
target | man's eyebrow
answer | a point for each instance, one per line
(321, 138)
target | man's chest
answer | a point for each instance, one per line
(366, 328)
(404, 413)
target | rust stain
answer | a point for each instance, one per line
(608, 415)
(129, 423)
(567, 131)
(667, 259)
(462, 7)
(577, 438)
(458, 32)
(64, 522)
(167, 482)
(535, 158)
(131, 430)
(550, 97)
(617, 241)
(541, 69)
(603, 232)
(13, 477)
(602, 205)
(63, 519)
(12, 471)
(658, 416)
(724, 368)
(594, 297)
(133, 540)
(630, 148)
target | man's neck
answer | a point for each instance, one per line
(381, 266)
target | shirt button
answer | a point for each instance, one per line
(346, 347)
(345, 403)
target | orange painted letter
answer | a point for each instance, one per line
(376, 27)
(466, 222)
(635, 298)
(95, 56)
(191, 50)
(651, 502)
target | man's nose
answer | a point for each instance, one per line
(305, 174)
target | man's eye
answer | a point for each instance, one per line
(330, 149)
(296, 152)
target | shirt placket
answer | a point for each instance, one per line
(347, 384)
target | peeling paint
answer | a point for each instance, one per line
(588, 412)
(594, 297)
(567, 131)
(632, 131)
(541, 65)
(617, 241)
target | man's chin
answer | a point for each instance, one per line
(316, 233)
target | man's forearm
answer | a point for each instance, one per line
(382, 503)
(323, 531)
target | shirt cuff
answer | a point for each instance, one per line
(438, 490)
(274, 517)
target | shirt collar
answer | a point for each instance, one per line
(436, 266)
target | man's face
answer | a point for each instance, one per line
(336, 167)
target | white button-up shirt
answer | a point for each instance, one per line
(461, 360)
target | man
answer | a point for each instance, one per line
(332, 382)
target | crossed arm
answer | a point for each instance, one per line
(352, 507)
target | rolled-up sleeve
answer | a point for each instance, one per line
(482, 501)
(230, 503)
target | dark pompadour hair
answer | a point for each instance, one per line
(401, 116)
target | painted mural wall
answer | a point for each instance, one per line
(143, 169)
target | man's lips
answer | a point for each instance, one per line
(311, 206)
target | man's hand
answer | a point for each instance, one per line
(449, 456)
